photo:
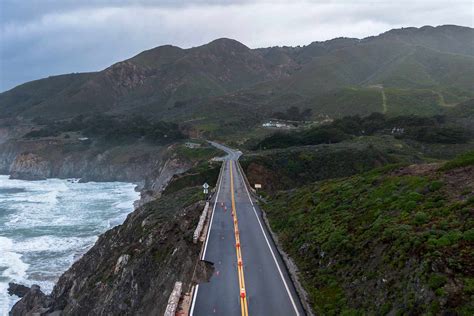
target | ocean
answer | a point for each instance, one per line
(46, 225)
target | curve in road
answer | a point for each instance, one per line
(250, 277)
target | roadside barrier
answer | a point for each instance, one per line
(200, 226)
(174, 299)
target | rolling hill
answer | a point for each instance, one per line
(412, 70)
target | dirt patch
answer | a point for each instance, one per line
(417, 170)
(459, 182)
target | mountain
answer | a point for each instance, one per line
(431, 66)
(154, 78)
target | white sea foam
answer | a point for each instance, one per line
(13, 269)
(46, 225)
(11, 260)
(53, 244)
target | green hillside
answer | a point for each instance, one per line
(420, 70)
(392, 241)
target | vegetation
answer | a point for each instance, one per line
(203, 153)
(347, 101)
(116, 129)
(412, 102)
(225, 87)
(463, 160)
(423, 129)
(391, 240)
(197, 176)
(204, 169)
(294, 113)
(292, 167)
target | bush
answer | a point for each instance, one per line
(422, 129)
(437, 134)
(468, 235)
(469, 285)
(463, 160)
(435, 186)
(117, 129)
(436, 281)
(421, 218)
(447, 239)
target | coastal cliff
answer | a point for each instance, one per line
(46, 158)
(132, 268)
(29, 166)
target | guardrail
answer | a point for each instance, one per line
(173, 301)
(200, 225)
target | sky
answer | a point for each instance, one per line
(40, 38)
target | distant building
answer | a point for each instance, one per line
(272, 124)
(398, 130)
(192, 145)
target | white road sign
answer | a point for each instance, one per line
(206, 188)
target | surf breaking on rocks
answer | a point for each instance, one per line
(46, 225)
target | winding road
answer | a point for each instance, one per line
(250, 277)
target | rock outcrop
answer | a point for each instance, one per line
(29, 166)
(56, 158)
(34, 301)
(17, 289)
(157, 180)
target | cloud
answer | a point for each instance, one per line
(41, 38)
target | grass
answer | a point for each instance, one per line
(199, 153)
(463, 160)
(348, 101)
(348, 235)
(423, 102)
(203, 172)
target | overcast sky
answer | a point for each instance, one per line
(39, 38)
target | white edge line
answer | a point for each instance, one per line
(212, 216)
(207, 239)
(195, 294)
(269, 247)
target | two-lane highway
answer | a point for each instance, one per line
(250, 277)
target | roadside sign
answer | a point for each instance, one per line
(258, 186)
(205, 186)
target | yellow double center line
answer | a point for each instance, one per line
(238, 249)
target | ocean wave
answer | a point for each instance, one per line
(11, 260)
(13, 269)
(46, 225)
(54, 244)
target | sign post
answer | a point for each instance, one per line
(205, 187)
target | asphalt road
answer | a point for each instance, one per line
(262, 276)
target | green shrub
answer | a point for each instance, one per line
(448, 239)
(469, 285)
(468, 235)
(435, 186)
(463, 160)
(421, 218)
(436, 281)
(335, 240)
(386, 308)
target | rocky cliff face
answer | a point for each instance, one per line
(157, 180)
(53, 158)
(29, 166)
(131, 270)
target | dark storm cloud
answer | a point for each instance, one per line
(45, 37)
